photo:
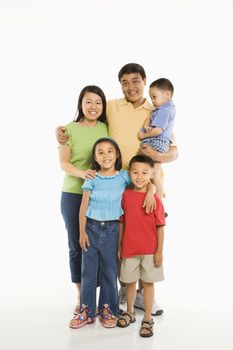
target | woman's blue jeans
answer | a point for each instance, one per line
(70, 205)
(100, 261)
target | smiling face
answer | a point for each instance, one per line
(159, 97)
(140, 174)
(92, 106)
(105, 156)
(133, 87)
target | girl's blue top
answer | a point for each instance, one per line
(105, 197)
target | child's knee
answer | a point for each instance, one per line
(147, 285)
(131, 285)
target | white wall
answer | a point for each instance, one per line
(49, 51)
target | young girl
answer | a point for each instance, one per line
(75, 160)
(99, 214)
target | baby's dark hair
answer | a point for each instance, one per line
(141, 159)
(163, 84)
(95, 90)
(118, 164)
(131, 68)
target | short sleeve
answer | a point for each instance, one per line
(160, 118)
(159, 213)
(125, 177)
(88, 185)
(122, 217)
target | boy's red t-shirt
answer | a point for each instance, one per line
(140, 236)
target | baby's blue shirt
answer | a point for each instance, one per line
(164, 118)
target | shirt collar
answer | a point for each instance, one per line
(123, 102)
(167, 104)
(146, 104)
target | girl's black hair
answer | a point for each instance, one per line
(118, 164)
(95, 90)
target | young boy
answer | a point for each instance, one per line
(157, 128)
(140, 243)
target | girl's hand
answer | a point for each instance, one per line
(88, 174)
(149, 203)
(158, 259)
(119, 253)
(84, 241)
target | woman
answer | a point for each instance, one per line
(75, 159)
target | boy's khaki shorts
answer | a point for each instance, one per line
(140, 267)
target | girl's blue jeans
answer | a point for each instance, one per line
(100, 262)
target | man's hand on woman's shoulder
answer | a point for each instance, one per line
(60, 134)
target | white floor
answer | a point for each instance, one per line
(187, 328)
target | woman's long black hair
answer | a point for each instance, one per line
(95, 90)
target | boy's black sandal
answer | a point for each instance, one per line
(148, 326)
(127, 318)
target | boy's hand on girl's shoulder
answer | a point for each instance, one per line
(158, 259)
(84, 241)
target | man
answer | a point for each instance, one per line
(126, 117)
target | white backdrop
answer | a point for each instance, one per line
(50, 49)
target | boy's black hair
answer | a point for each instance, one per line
(141, 159)
(132, 68)
(118, 164)
(163, 84)
(95, 90)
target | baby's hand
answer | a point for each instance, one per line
(147, 129)
(141, 134)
